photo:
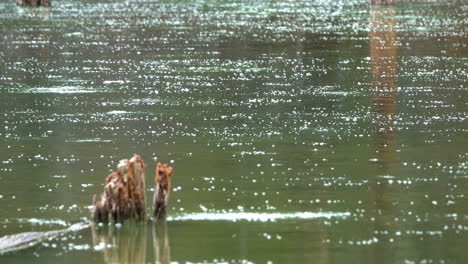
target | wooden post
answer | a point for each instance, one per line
(124, 193)
(33, 2)
(161, 190)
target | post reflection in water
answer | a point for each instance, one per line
(128, 243)
(162, 249)
(383, 52)
(384, 63)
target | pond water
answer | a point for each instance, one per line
(299, 131)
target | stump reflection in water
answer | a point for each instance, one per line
(128, 242)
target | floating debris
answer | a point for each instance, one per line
(255, 217)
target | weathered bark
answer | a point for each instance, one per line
(124, 193)
(161, 190)
(33, 2)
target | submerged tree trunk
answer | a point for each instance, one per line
(161, 190)
(124, 193)
(33, 2)
(28, 239)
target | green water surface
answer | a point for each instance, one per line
(299, 131)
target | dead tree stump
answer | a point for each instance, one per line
(161, 190)
(124, 193)
(33, 2)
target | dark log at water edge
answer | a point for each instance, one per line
(33, 2)
(28, 239)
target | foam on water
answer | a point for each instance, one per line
(36, 221)
(59, 90)
(118, 112)
(85, 140)
(256, 217)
